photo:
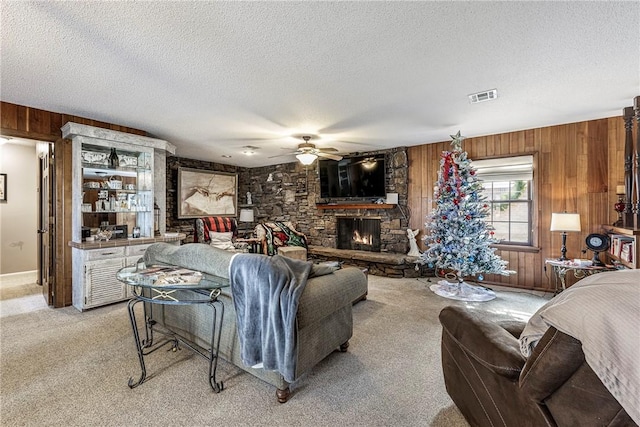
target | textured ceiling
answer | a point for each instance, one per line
(213, 77)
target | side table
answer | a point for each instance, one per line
(146, 291)
(253, 243)
(561, 268)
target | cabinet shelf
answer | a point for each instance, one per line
(113, 190)
(632, 235)
(120, 211)
(126, 189)
(120, 169)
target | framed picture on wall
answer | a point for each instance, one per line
(3, 187)
(206, 193)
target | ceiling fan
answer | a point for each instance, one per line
(368, 162)
(307, 152)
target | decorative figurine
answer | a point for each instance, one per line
(413, 246)
(114, 160)
(249, 198)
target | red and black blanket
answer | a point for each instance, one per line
(218, 224)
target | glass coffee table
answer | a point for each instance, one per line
(177, 287)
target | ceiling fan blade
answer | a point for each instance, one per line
(283, 155)
(357, 143)
(328, 156)
(328, 149)
(254, 139)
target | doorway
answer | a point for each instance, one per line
(45, 231)
(22, 219)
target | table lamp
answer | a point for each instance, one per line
(565, 222)
(246, 215)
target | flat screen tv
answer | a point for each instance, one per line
(355, 177)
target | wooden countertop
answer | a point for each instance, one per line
(168, 237)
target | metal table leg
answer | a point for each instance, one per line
(146, 346)
(214, 351)
(136, 337)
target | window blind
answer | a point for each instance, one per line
(517, 168)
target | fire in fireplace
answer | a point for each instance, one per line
(359, 233)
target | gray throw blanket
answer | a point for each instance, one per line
(266, 291)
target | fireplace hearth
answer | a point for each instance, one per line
(361, 234)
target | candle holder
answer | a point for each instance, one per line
(619, 207)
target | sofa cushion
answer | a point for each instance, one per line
(195, 256)
(221, 240)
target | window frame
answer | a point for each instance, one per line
(528, 201)
(533, 246)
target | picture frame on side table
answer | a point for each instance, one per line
(3, 187)
(204, 193)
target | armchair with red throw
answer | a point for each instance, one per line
(223, 229)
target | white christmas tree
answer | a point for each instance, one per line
(458, 236)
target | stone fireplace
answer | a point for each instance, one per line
(291, 192)
(361, 234)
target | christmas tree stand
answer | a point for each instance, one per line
(462, 291)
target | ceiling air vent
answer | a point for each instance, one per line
(487, 95)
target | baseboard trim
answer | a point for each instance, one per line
(19, 278)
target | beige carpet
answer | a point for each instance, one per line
(20, 298)
(63, 367)
(12, 291)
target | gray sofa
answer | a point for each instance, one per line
(324, 317)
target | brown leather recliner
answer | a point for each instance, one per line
(494, 385)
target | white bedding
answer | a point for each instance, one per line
(603, 312)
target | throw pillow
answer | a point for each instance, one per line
(221, 240)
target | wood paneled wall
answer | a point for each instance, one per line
(577, 167)
(31, 123)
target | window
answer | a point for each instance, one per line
(507, 188)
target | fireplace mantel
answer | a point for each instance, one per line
(354, 206)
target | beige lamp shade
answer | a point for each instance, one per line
(246, 215)
(565, 222)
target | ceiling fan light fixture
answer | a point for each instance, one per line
(306, 158)
(369, 163)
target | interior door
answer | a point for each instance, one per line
(44, 223)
